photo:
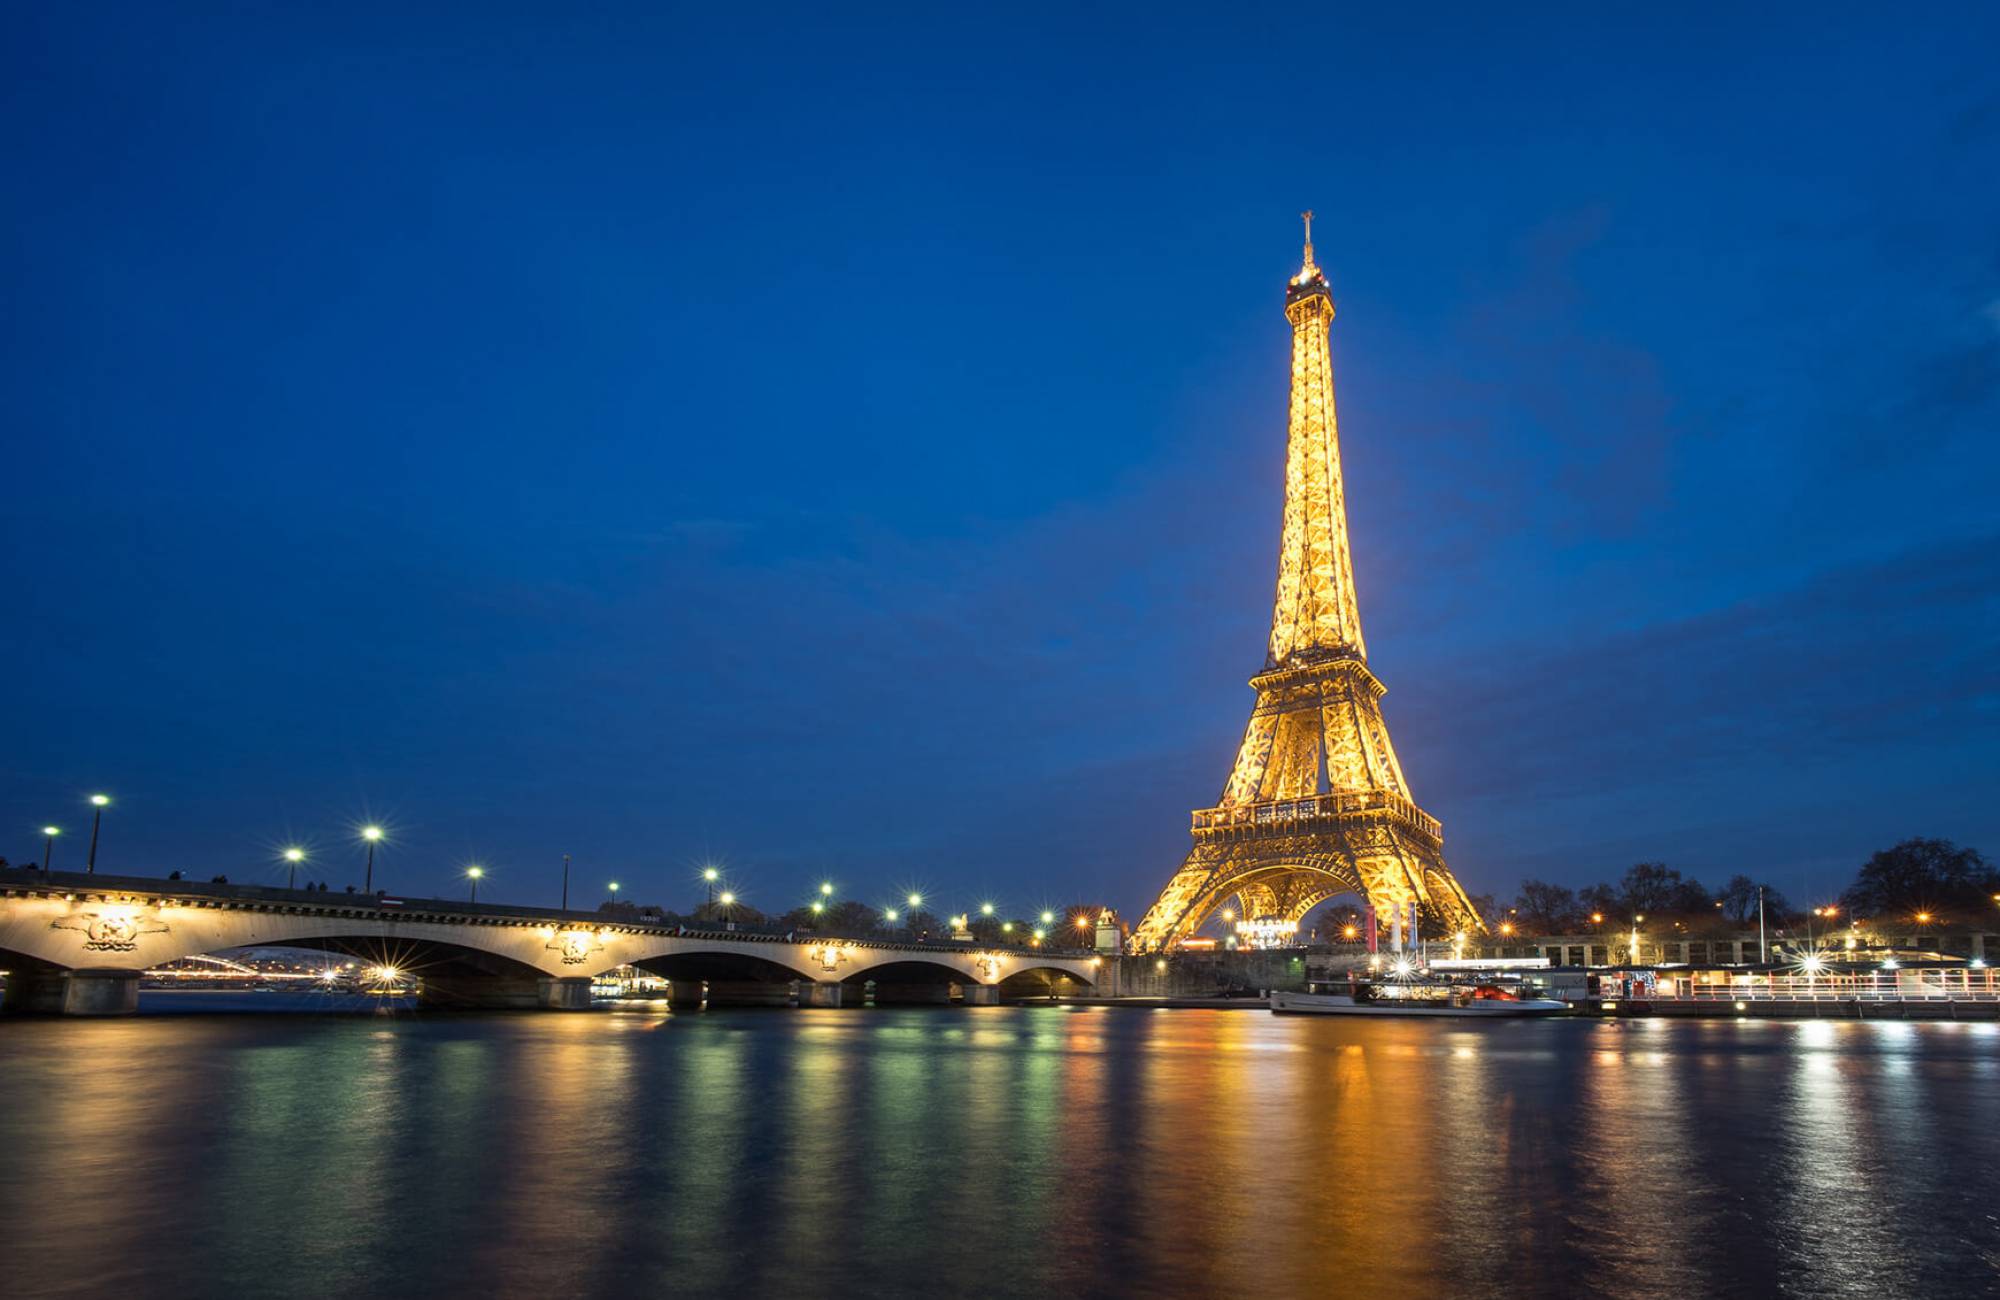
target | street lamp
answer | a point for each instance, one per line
(711, 875)
(293, 857)
(986, 909)
(49, 847)
(826, 889)
(614, 889)
(473, 874)
(915, 901)
(888, 913)
(565, 897)
(727, 899)
(372, 834)
(1048, 918)
(98, 801)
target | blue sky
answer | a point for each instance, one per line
(850, 445)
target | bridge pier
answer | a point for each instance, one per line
(816, 994)
(749, 993)
(564, 992)
(980, 995)
(100, 992)
(925, 995)
(684, 993)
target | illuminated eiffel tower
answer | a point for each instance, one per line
(1317, 805)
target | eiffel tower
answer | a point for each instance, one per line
(1316, 805)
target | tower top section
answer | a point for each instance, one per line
(1310, 281)
(1316, 616)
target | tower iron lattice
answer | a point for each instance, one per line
(1316, 805)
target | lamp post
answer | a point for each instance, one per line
(293, 857)
(728, 900)
(370, 834)
(96, 818)
(473, 874)
(49, 846)
(565, 900)
(711, 875)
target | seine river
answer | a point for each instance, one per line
(1010, 1151)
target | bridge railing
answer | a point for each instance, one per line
(386, 904)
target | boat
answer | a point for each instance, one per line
(1410, 998)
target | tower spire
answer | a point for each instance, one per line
(1309, 267)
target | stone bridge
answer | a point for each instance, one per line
(79, 943)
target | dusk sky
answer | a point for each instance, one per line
(850, 446)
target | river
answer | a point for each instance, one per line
(1007, 1151)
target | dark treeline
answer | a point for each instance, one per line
(1932, 882)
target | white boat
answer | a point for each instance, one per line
(1383, 999)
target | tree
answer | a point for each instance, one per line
(1921, 875)
(850, 917)
(1542, 908)
(1657, 888)
(1739, 901)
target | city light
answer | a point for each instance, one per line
(826, 889)
(51, 831)
(1348, 931)
(818, 907)
(986, 909)
(101, 800)
(1083, 923)
(1229, 914)
(1597, 918)
(726, 898)
(371, 833)
(1048, 918)
(1006, 927)
(1506, 927)
(888, 913)
(613, 886)
(915, 901)
(295, 855)
(473, 874)
(1040, 935)
(710, 874)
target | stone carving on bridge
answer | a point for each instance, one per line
(830, 955)
(110, 929)
(989, 967)
(576, 946)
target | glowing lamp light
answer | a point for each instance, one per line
(1506, 927)
(371, 833)
(986, 909)
(915, 901)
(101, 800)
(826, 889)
(1597, 918)
(1040, 935)
(614, 886)
(1229, 914)
(817, 908)
(1006, 927)
(51, 831)
(1401, 967)
(1923, 918)
(726, 898)
(888, 913)
(475, 872)
(710, 874)
(1813, 964)
(1083, 923)
(1348, 931)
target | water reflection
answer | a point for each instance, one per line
(1019, 1150)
